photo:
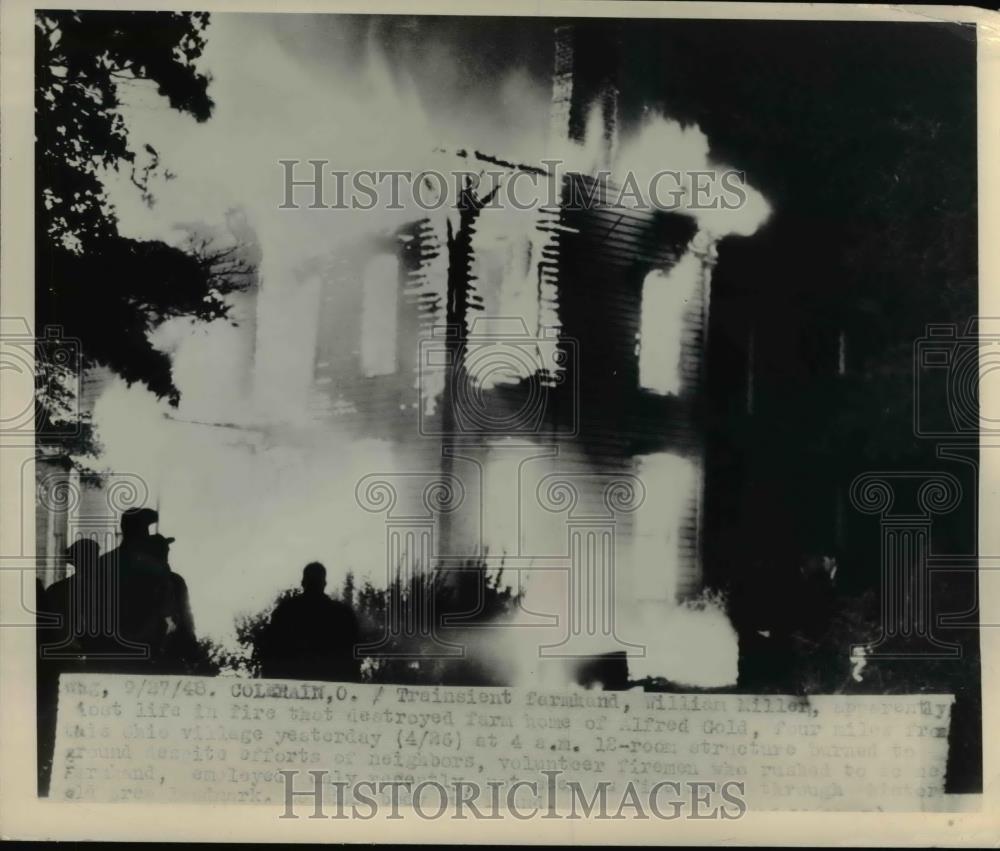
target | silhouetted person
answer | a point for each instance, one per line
(78, 601)
(310, 636)
(46, 688)
(139, 604)
(821, 653)
(763, 617)
(179, 650)
(816, 594)
(67, 611)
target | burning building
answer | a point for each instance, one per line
(547, 360)
(519, 386)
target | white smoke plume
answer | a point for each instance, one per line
(249, 484)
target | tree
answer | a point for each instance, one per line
(104, 290)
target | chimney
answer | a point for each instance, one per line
(562, 84)
(584, 79)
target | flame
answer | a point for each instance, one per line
(250, 505)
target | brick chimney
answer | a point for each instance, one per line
(584, 78)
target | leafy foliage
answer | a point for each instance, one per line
(104, 291)
(82, 60)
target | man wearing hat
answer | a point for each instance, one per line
(76, 601)
(63, 646)
(179, 650)
(140, 589)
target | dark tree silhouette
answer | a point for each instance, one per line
(102, 289)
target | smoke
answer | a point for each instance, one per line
(248, 507)
(661, 144)
(248, 482)
(691, 645)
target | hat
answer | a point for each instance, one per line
(158, 543)
(84, 551)
(138, 520)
